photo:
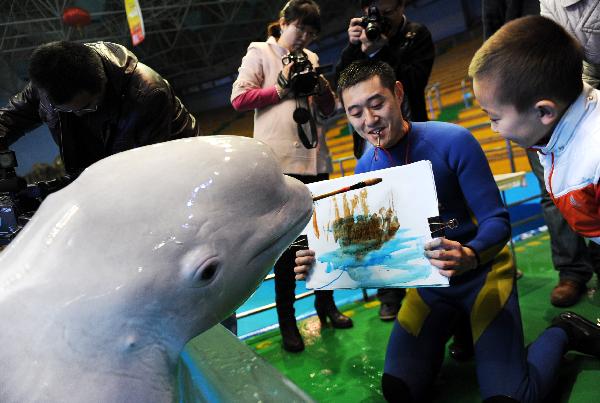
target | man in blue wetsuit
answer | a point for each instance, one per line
(474, 256)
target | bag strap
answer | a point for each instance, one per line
(312, 125)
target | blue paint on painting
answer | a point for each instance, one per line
(400, 259)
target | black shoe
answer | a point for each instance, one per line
(584, 336)
(338, 319)
(461, 352)
(329, 310)
(388, 312)
(461, 348)
(290, 337)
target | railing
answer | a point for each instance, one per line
(272, 305)
(467, 95)
(431, 93)
(511, 156)
(341, 162)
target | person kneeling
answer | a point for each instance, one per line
(474, 256)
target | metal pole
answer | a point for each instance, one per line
(511, 157)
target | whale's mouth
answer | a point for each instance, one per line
(295, 227)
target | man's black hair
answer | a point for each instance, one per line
(362, 70)
(63, 69)
(367, 3)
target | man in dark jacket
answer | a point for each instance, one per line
(407, 47)
(97, 100)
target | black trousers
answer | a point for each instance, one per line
(285, 282)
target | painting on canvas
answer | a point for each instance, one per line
(374, 236)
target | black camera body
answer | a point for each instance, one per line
(304, 79)
(374, 23)
(19, 201)
(8, 176)
(10, 184)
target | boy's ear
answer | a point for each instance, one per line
(547, 111)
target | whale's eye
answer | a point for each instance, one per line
(206, 272)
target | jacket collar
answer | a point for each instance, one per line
(566, 127)
(280, 50)
(119, 63)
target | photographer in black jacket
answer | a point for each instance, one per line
(407, 47)
(97, 100)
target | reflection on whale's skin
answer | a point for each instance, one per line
(145, 250)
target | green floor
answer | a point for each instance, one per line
(346, 365)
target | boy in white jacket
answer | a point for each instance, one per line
(527, 78)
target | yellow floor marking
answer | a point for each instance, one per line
(372, 304)
(263, 344)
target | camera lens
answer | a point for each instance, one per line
(301, 115)
(304, 83)
(372, 23)
(373, 31)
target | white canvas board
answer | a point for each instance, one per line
(374, 237)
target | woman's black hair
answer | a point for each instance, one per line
(306, 12)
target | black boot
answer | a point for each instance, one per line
(290, 336)
(326, 308)
(461, 348)
(584, 336)
(285, 285)
(390, 299)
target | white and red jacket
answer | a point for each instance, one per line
(571, 162)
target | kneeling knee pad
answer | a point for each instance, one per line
(395, 390)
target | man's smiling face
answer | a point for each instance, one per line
(374, 111)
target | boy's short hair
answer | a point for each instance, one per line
(64, 69)
(529, 59)
(362, 70)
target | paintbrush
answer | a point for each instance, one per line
(359, 185)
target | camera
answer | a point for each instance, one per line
(303, 79)
(373, 23)
(19, 201)
(10, 184)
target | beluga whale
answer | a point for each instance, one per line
(145, 250)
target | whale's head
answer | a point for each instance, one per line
(170, 237)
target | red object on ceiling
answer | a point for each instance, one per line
(76, 17)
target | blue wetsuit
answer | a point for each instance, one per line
(467, 192)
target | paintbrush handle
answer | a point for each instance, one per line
(324, 195)
(358, 185)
